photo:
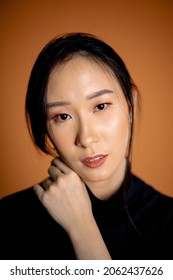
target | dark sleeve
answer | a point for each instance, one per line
(165, 246)
(29, 232)
(152, 213)
(17, 219)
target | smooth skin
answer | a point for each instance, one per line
(87, 115)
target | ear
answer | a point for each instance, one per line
(135, 94)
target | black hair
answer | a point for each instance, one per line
(57, 52)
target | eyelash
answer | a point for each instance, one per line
(104, 106)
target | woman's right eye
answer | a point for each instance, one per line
(62, 117)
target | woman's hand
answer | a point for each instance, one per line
(65, 196)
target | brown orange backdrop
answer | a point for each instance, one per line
(140, 31)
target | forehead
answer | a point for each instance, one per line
(80, 75)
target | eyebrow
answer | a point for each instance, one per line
(89, 97)
(99, 93)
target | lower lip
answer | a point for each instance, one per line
(95, 163)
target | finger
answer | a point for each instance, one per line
(39, 191)
(46, 183)
(61, 165)
(54, 172)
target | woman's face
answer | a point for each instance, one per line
(88, 120)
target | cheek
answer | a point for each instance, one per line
(117, 129)
(61, 144)
(118, 140)
(58, 140)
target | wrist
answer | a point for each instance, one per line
(88, 242)
(82, 229)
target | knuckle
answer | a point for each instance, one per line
(48, 195)
(45, 199)
(52, 189)
(61, 181)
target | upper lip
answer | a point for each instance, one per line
(93, 157)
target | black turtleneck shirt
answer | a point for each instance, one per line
(137, 224)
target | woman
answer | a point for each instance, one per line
(80, 107)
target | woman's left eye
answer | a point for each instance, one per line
(101, 106)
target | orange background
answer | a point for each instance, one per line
(140, 31)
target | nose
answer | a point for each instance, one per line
(87, 134)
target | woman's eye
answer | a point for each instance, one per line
(62, 117)
(101, 106)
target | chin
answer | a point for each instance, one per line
(95, 178)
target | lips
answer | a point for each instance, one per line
(95, 161)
